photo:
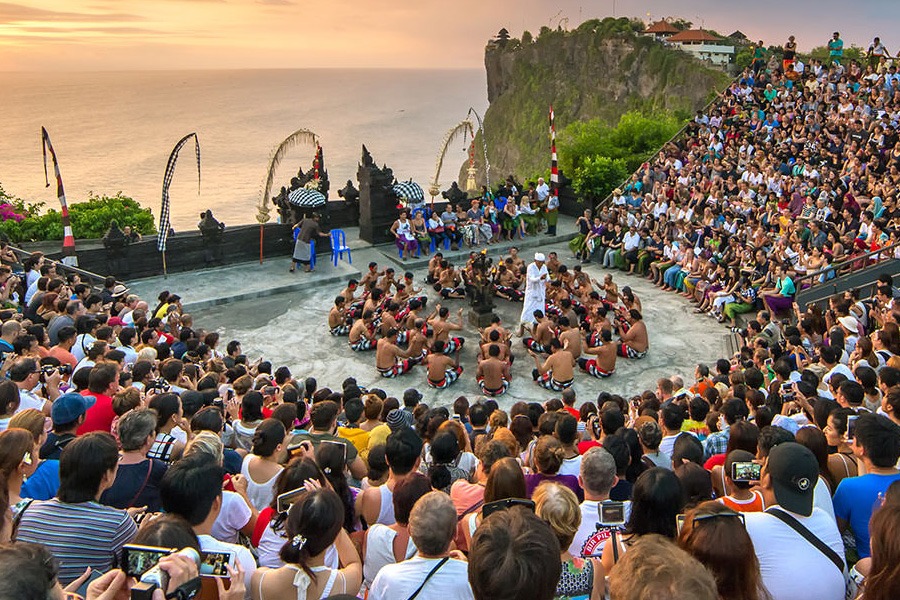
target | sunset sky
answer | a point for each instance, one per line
(187, 34)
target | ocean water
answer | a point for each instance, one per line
(114, 131)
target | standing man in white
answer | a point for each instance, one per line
(535, 290)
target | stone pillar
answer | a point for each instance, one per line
(377, 202)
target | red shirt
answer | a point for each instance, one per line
(573, 411)
(716, 460)
(100, 416)
(587, 445)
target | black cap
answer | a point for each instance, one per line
(794, 471)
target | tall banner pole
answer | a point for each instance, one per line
(68, 249)
(164, 225)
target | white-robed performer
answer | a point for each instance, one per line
(535, 289)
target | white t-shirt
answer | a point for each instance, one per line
(235, 515)
(400, 580)
(791, 567)
(571, 466)
(380, 551)
(241, 554)
(28, 399)
(822, 498)
(592, 534)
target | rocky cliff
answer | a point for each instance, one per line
(585, 73)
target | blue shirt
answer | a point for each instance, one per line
(854, 501)
(43, 483)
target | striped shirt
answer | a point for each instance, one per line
(80, 535)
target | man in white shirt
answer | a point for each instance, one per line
(791, 566)
(192, 488)
(433, 572)
(597, 478)
(542, 190)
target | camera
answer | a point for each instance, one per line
(138, 557)
(158, 384)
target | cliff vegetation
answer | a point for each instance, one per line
(617, 97)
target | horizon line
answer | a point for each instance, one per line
(198, 69)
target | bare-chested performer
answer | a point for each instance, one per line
(570, 337)
(443, 370)
(442, 328)
(557, 372)
(493, 373)
(449, 282)
(337, 318)
(635, 342)
(506, 283)
(371, 276)
(611, 289)
(389, 321)
(434, 267)
(495, 339)
(353, 304)
(604, 365)
(362, 334)
(543, 332)
(387, 283)
(390, 359)
(517, 261)
(418, 343)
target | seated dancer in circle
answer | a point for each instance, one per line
(443, 371)
(558, 371)
(354, 304)
(544, 331)
(493, 374)
(417, 349)
(442, 328)
(362, 334)
(449, 282)
(605, 363)
(390, 360)
(338, 320)
(634, 342)
(389, 321)
(506, 284)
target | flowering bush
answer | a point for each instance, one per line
(8, 211)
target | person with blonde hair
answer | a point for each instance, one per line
(43, 482)
(654, 567)
(238, 515)
(580, 578)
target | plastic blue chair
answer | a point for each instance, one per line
(418, 251)
(312, 249)
(433, 246)
(339, 246)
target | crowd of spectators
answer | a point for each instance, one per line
(776, 186)
(769, 475)
(506, 213)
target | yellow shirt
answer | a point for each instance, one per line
(357, 437)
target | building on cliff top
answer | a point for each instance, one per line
(661, 30)
(703, 45)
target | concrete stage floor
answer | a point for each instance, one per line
(282, 317)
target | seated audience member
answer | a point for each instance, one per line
(654, 567)
(433, 572)
(791, 566)
(597, 478)
(314, 524)
(558, 506)
(138, 477)
(715, 535)
(877, 447)
(514, 554)
(192, 488)
(74, 526)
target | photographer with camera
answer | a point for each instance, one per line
(28, 377)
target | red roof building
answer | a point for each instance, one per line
(704, 46)
(661, 29)
(695, 36)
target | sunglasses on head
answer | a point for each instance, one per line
(700, 517)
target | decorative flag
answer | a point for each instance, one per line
(68, 249)
(167, 180)
(554, 167)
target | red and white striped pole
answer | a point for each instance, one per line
(68, 249)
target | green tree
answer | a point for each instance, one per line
(526, 38)
(90, 219)
(598, 176)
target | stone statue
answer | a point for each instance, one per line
(454, 195)
(480, 291)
